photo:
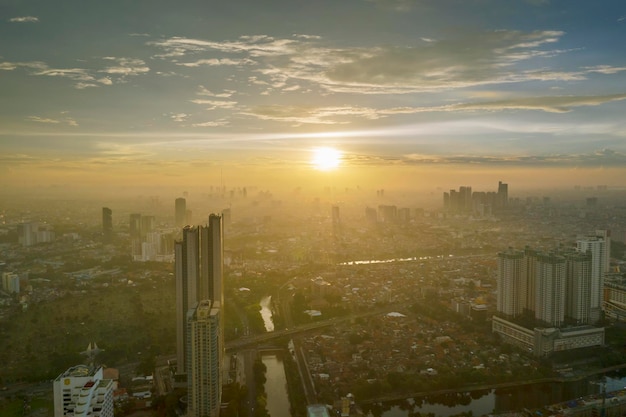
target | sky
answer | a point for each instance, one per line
(431, 93)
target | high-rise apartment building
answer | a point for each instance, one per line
(557, 290)
(199, 262)
(204, 348)
(578, 276)
(599, 244)
(107, 224)
(180, 212)
(510, 282)
(82, 391)
(550, 289)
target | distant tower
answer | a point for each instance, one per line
(107, 224)
(180, 207)
(82, 391)
(503, 194)
(204, 364)
(134, 226)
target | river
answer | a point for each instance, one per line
(276, 382)
(497, 401)
(266, 313)
(276, 386)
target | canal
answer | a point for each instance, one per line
(276, 382)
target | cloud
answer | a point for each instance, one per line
(215, 104)
(343, 114)
(10, 66)
(550, 104)
(24, 19)
(126, 67)
(203, 91)
(599, 158)
(212, 123)
(428, 65)
(214, 62)
(179, 117)
(310, 114)
(255, 46)
(67, 120)
(42, 120)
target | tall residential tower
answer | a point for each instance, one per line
(199, 262)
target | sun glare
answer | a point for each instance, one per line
(325, 159)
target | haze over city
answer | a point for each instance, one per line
(282, 208)
(120, 95)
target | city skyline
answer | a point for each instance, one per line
(528, 91)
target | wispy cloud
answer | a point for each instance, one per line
(599, 158)
(212, 123)
(46, 120)
(24, 19)
(126, 67)
(215, 62)
(215, 104)
(203, 91)
(474, 59)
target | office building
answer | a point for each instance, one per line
(180, 212)
(204, 359)
(107, 224)
(82, 391)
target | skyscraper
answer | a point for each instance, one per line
(199, 261)
(82, 391)
(503, 194)
(180, 211)
(107, 224)
(204, 349)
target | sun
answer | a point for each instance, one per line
(326, 159)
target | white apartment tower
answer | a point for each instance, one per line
(81, 391)
(578, 275)
(550, 289)
(510, 279)
(599, 245)
(199, 264)
(204, 359)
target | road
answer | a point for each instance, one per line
(257, 339)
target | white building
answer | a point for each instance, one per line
(82, 391)
(550, 289)
(205, 358)
(11, 282)
(600, 247)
